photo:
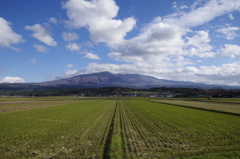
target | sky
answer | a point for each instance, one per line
(180, 40)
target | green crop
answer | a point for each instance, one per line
(77, 129)
(159, 130)
(215, 105)
(114, 128)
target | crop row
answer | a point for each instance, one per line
(156, 130)
(64, 131)
(210, 105)
(117, 128)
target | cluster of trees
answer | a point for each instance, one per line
(34, 90)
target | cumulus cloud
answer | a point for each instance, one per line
(40, 48)
(229, 32)
(98, 17)
(69, 36)
(117, 56)
(169, 35)
(205, 12)
(198, 45)
(183, 7)
(88, 44)
(229, 50)
(73, 47)
(53, 20)
(174, 5)
(42, 34)
(66, 74)
(33, 61)
(163, 48)
(164, 36)
(69, 65)
(92, 56)
(160, 40)
(231, 16)
(156, 39)
(9, 79)
(199, 39)
(226, 74)
(8, 36)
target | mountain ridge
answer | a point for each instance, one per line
(107, 79)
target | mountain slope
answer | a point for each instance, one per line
(107, 79)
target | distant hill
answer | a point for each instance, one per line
(107, 79)
(106, 83)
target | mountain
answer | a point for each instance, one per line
(107, 79)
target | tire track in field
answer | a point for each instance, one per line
(115, 145)
(106, 151)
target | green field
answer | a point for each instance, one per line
(222, 105)
(64, 127)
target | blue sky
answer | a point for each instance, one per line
(188, 40)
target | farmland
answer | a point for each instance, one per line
(64, 127)
(224, 105)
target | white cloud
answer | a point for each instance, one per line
(117, 56)
(33, 61)
(205, 13)
(69, 36)
(226, 74)
(73, 47)
(183, 7)
(160, 41)
(163, 47)
(162, 38)
(42, 34)
(174, 5)
(92, 56)
(88, 44)
(69, 65)
(98, 17)
(41, 48)
(230, 51)
(168, 36)
(231, 16)
(53, 20)
(196, 4)
(9, 79)
(8, 36)
(66, 74)
(200, 38)
(229, 32)
(156, 41)
(198, 45)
